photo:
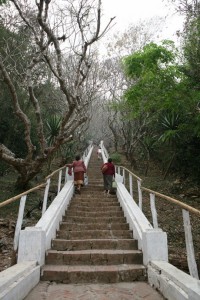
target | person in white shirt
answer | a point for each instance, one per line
(99, 153)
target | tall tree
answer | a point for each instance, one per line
(61, 37)
(161, 94)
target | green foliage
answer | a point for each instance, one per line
(116, 157)
(53, 127)
(167, 96)
(157, 80)
(150, 143)
(150, 59)
(70, 151)
(169, 122)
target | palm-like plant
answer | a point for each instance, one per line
(170, 122)
(53, 126)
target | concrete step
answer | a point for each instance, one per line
(93, 190)
(94, 234)
(93, 214)
(123, 244)
(93, 202)
(95, 196)
(93, 209)
(82, 220)
(94, 226)
(93, 257)
(94, 274)
(97, 204)
(95, 183)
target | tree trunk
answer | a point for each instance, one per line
(27, 171)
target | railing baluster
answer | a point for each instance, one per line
(131, 184)
(59, 181)
(118, 170)
(189, 245)
(44, 206)
(153, 210)
(124, 178)
(66, 170)
(19, 221)
(139, 194)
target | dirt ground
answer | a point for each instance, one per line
(169, 215)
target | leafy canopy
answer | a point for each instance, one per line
(157, 79)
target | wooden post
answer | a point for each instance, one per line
(153, 211)
(189, 245)
(19, 221)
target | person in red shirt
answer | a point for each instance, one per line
(108, 170)
(79, 169)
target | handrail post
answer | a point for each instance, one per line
(124, 178)
(44, 206)
(139, 194)
(66, 170)
(131, 185)
(59, 181)
(153, 211)
(19, 221)
(189, 245)
(118, 170)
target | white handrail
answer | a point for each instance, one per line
(186, 209)
(87, 154)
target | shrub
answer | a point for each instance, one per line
(116, 157)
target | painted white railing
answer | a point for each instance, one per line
(49, 178)
(43, 232)
(152, 240)
(148, 238)
(17, 281)
(186, 210)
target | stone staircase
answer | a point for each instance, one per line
(94, 243)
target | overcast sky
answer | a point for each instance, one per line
(131, 11)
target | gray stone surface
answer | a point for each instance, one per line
(117, 291)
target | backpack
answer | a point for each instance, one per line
(104, 168)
